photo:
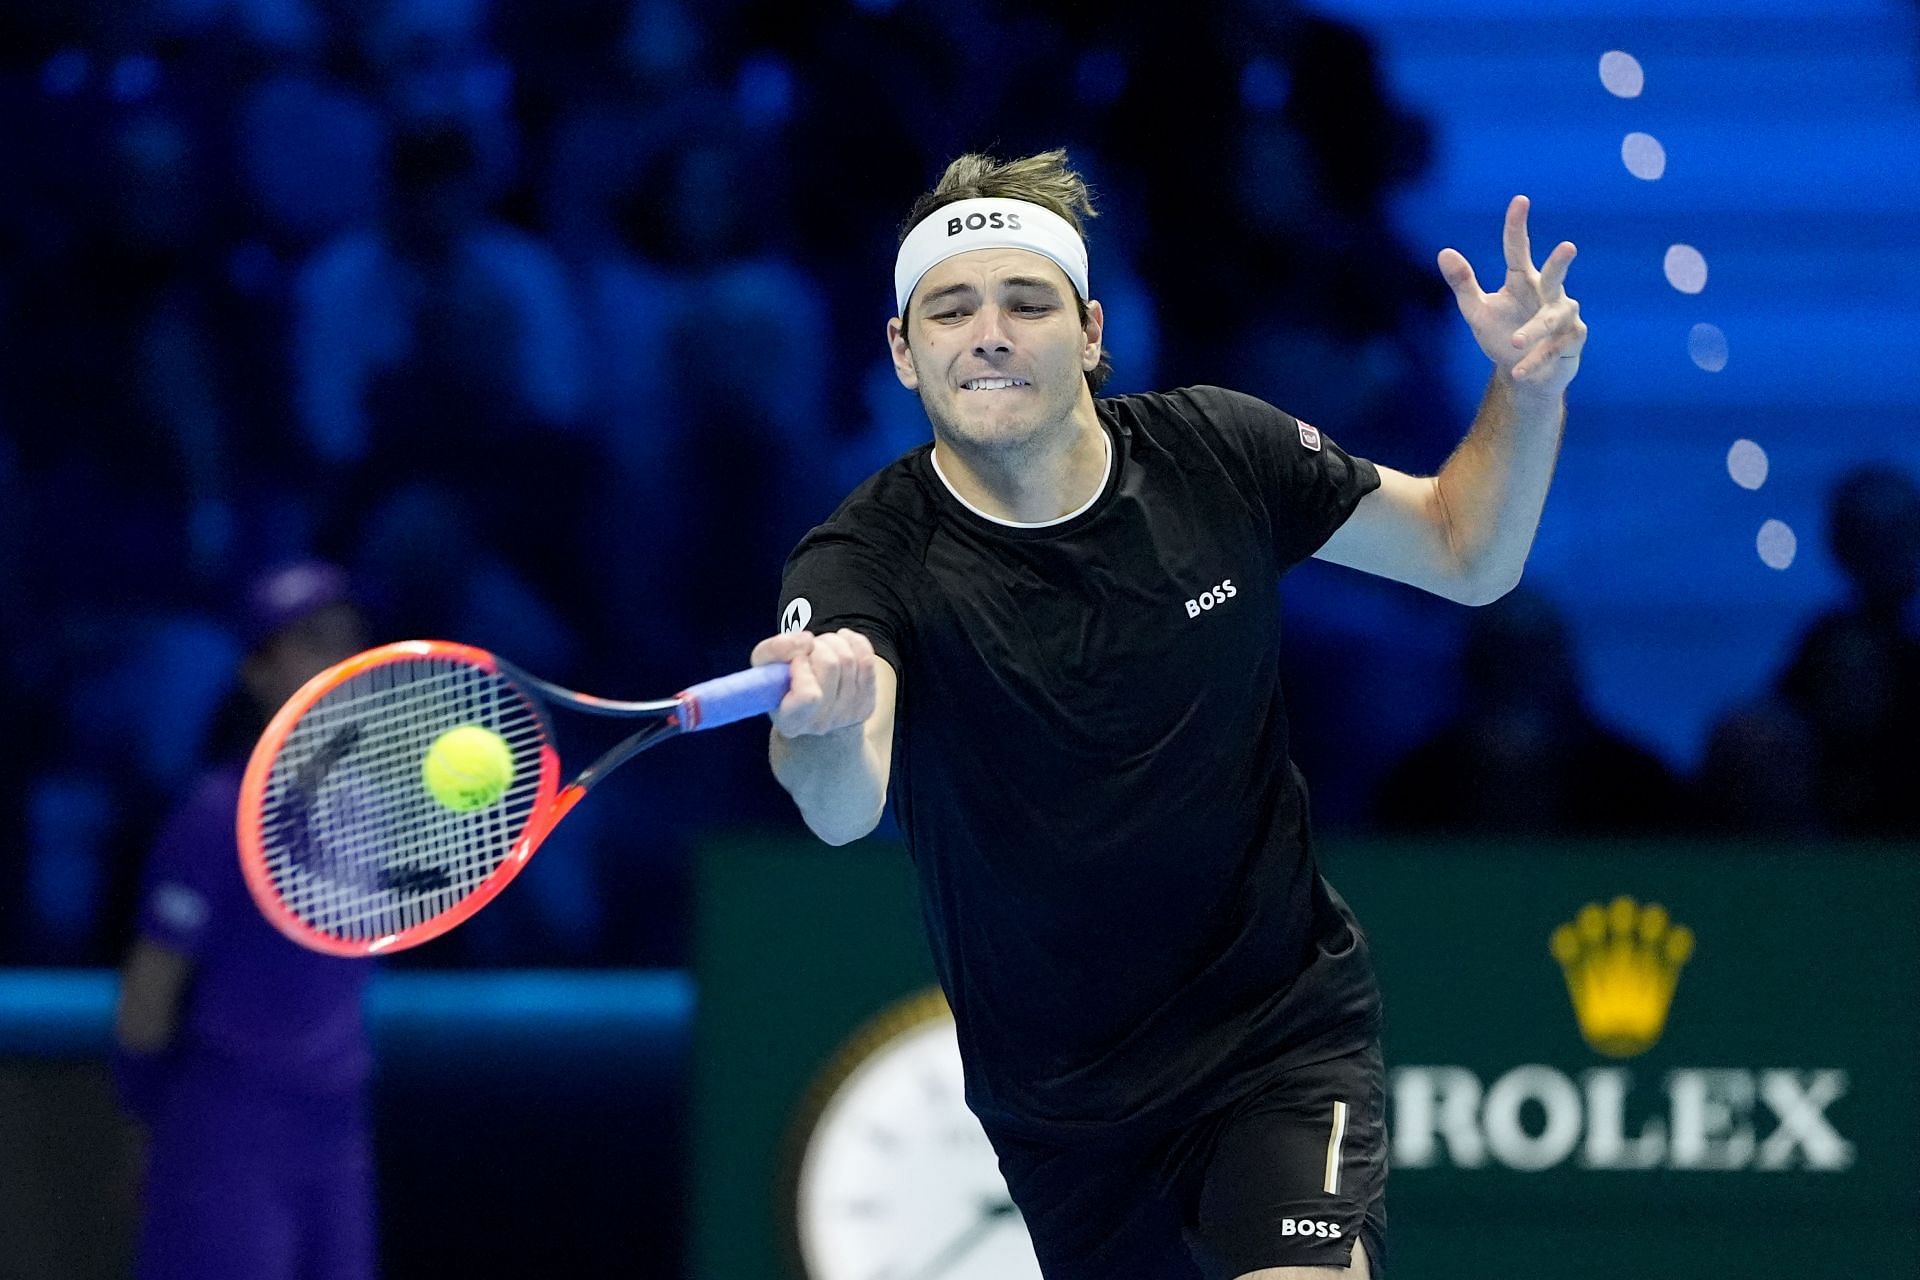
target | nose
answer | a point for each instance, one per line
(990, 332)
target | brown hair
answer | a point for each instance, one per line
(1042, 179)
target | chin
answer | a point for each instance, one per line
(995, 431)
(996, 426)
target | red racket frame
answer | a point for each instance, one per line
(550, 804)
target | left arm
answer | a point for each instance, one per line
(1465, 533)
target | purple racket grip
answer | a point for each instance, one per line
(752, 692)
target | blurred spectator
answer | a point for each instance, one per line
(1831, 750)
(1852, 682)
(244, 1057)
(139, 290)
(1873, 530)
(1760, 776)
(447, 344)
(1345, 325)
(1525, 756)
(437, 338)
(312, 153)
(429, 566)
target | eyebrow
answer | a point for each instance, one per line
(1011, 282)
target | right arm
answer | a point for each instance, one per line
(832, 740)
(153, 989)
(153, 986)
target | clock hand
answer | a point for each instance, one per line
(992, 1214)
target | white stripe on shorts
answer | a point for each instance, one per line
(1332, 1184)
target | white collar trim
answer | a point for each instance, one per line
(1106, 474)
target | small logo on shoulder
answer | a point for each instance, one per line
(1310, 436)
(797, 615)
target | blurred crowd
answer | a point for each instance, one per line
(557, 324)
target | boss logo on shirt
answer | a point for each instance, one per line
(796, 615)
(1309, 1227)
(1208, 599)
(975, 221)
(1310, 437)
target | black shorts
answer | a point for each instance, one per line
(1288, 1177)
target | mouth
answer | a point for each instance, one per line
(994, 384)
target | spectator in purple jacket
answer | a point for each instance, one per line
(244, 1057)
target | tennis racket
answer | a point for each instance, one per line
(346, 850)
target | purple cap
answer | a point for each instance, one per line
(283, 596)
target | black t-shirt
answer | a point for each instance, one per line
(1090, 762)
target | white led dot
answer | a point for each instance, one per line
(1643, 155)
(1747, 464)
(1776, 544)
(1621, 74)
(1708, 347)
(1686, 269)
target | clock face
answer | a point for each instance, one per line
(897, 1180)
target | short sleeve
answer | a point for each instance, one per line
(1307, 484)
(834, 580)
(193, 874)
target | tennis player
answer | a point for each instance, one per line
(244, 1057)
(1052, 636)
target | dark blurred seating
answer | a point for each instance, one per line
(1525, 755)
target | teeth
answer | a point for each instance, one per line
(992, 384)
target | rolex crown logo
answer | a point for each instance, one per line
(1621, 962)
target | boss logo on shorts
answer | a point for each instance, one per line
(1208, 599)
(976, 221)
(1310, 1227)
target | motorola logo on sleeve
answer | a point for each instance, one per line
(796, 616)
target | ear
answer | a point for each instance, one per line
(1096, 326)
(902, 355)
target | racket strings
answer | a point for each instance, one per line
(355, 845)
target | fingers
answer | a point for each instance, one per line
(833, 686)
(781, 648)
(1543, 361)
(1514, 237)
(1458, 273)
(1555, 317)
(803, 689)
(857, 677)
(1553, 272)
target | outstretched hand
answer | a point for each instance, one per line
(832, 680)
(1530, 329)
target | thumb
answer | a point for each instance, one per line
(782, 648)
(1458, 273)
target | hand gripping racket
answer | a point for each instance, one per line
(345, 848)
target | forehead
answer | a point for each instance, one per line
(986, 268)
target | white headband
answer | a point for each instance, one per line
(992, 223)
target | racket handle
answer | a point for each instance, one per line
(752, 692)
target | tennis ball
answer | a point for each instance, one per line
(468, 768)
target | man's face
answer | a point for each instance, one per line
(993, 343)
(303, 650)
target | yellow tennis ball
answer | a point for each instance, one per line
(468, 768)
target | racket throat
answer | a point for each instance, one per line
(541, 825)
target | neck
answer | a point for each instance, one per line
(1036, 481)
